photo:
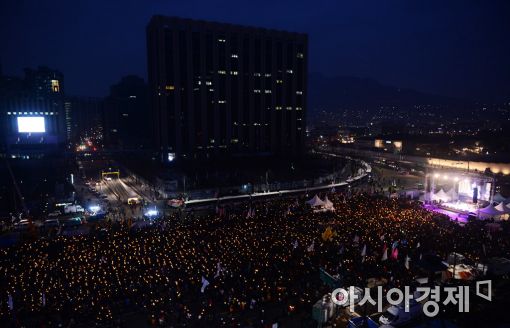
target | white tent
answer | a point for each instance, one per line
(489, 212)
(498, 198)
(328, 204)
(502, 208)
(452, 194)
(315, 201)
(441, 195)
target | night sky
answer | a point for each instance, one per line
(456, 48)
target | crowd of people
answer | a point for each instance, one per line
(252, 263)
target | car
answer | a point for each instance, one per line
(71, 222)
(396, 315)
(73, 209)
(362, 322)
(54, 214)
(108, 179)
(22, 225)
(51, 223)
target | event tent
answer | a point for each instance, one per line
(315, 201)
(489, 212)
(452, 194)
(328, 204)
(441, 195)
(502, 208)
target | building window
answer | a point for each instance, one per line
(222, 40)
(222, 72)
(257, 74)
(208, 83)
(299, 92)
(55, 85)
(256, 90)
(267, 91)
(169, 87)
(233, 72)
(290, 71)
(234, 56)
(300, 55)
(279, 81)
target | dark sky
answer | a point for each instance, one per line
(458, 48)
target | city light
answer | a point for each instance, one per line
(94, 208)
(152, 212)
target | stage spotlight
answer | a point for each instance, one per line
(436, 175)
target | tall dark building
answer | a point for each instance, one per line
(32, 114)
(127, 119)
(83, 117)
(44, 82)
(218, 88)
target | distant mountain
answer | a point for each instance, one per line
(340, 92)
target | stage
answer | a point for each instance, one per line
(458, 194)
(460, 218)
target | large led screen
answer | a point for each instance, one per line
(31, 124)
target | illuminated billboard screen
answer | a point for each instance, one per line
(31, 124)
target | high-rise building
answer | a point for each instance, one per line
(83, 117)
(32, 114)
(44, 82)
(126, 116)
(218, 88)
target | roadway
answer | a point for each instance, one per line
(117, 189)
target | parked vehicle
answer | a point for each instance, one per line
(54, 214)
(74, 209)
(51, 223)
(396, 315)
(362, 322)
(71, 222)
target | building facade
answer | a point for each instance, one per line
(83, 117)
(126, 115)
(32, 114)
(221, 88)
